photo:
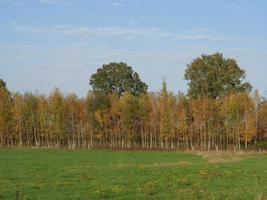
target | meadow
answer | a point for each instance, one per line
(103, 174)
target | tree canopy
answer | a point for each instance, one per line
(5, 111)
(2, 84)
(117, 78)
(218, 113)
(214, 76)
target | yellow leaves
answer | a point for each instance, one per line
(235, 104)
(115, 105)
(182, 113)
(102, 120)
(166, 105)
(100, 117)
(5, 109)
(248, 129)
(239, 112)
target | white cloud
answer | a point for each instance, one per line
(56, 2)
(215, 37)
(83, 32)
(113, 31)
(116, 32)
(118, 4)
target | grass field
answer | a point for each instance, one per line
(81, 174)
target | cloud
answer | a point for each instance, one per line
(118, 4)
(207, 37)
(84, 32)
(113, 31)
(56, 2)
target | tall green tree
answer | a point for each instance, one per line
(214, 76)
(117, 78)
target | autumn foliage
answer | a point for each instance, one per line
(134, 120)
(151, 121)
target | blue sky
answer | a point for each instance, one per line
(59, 43)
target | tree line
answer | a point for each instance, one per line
(219, 112)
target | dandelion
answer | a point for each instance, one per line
(116, 189)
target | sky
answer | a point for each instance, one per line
(60, 43)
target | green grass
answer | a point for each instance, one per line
(81, 174)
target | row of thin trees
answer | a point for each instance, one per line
(151, 121)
